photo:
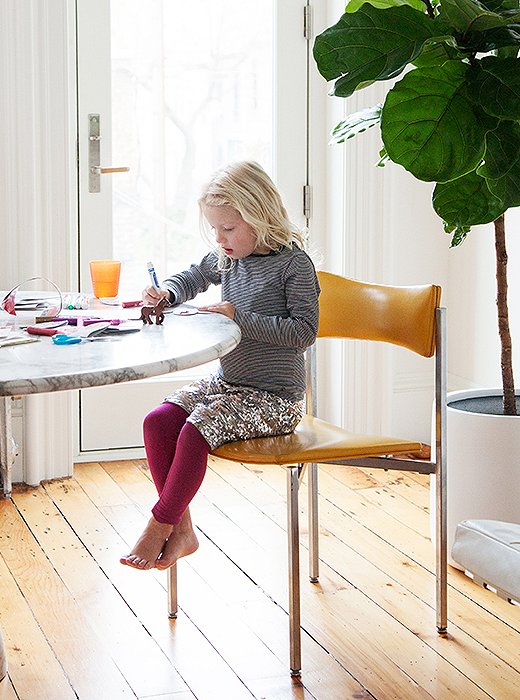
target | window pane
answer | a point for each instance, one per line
(192, 87)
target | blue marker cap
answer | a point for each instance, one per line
(153, 276)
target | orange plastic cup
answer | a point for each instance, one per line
(105, 277)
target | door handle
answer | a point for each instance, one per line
(107, 171)
(94, 167)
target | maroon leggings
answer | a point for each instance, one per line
(177, 456)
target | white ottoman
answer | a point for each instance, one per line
(489, 550)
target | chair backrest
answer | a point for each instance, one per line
(400, 315)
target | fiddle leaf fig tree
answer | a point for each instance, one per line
(452, 118)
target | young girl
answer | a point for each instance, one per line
(270, 289)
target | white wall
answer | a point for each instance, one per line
(474, 341)
(38, 193)
(380, 227)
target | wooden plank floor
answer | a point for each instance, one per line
(77, 624)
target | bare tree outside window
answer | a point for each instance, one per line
(191, 91)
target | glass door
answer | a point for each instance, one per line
(175, 91)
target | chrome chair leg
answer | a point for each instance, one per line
(441, 550)
(294, 571)
(313, 524)
(172, 591)
(441, 544)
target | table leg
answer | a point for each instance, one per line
(8, 446)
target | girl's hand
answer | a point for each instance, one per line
(152, 297)
(223, 307)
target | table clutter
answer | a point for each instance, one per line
(30, 315)
(75, 317)
(38, 361)
(64, 330)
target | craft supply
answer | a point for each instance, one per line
(46, 305)
(39, 330)
(79, 334)
(91, 329)
(75, 301)
(88, 320)
(55, 322)
(62, 339)
(16, 340)
(131, 304)
(153, 276)
(187, 311)
(81, 302)
(114, 331)
(46, 319)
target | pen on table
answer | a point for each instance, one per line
(153, 276)
(88, 320)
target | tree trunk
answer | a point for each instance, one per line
(506, 356)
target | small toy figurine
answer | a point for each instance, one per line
(158, 311)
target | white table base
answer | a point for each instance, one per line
(8, 446)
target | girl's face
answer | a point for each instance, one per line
(236, 238)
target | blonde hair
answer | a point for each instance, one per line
(247, 188)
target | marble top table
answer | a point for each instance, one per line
(182, 341)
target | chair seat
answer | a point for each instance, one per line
(314, 440)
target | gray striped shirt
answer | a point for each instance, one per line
(276, 307)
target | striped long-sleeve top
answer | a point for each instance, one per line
(276, 307)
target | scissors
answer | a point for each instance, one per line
(63, 339)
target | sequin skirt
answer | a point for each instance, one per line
(223, 412)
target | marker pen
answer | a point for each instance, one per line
(153, 276)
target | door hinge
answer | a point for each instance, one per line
(307, 22)
(307, 201)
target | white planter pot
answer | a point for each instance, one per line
(483, 473)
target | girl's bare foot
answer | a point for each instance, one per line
(149, 546)
(181, 542)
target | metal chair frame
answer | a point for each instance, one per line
(295, 473)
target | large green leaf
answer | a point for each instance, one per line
(511, 16)
(371, 44)
(502, 151)
(435, 53)
(472, 16)
(494, 85)
(354, 5)
(500, 5)
(430, 127)
(507, 187)
(466, 201)
(483, 42)
(356, 123)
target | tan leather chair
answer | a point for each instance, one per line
(405, 316)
